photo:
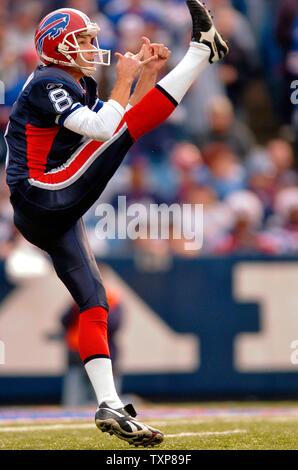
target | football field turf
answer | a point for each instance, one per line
(193, 426)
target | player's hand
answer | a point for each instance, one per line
(129, 65)
(154, 49)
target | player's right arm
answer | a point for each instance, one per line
(55, 102)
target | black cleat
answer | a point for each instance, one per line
(122, 423)
(204, 31)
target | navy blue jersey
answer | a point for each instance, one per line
(37, 141)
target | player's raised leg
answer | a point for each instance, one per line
(206, 47)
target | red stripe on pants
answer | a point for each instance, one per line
(66, 173)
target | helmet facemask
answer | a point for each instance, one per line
(70, 46)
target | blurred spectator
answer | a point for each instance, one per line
(261, 178)
(241, 31)
(9, 64)
(26, 16)
(282, 156)
(284, 223)
(177, 22)
(17, 52)
(186, 160)
(216, 214)
(138, 188)
(131, 28)
(255, 11)
(116, 10)
(245, 236)
(240, 65)
(29, 62)
(269, 170)
(223, 171)
(10, 70)
(226, 129)
(287, 36)
(194, 110)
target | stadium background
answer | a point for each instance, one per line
(214, 323)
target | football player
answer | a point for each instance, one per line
(65, 144)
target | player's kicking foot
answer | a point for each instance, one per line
(204, 31)
(122, 423)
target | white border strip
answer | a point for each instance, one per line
(54, 427)
(207, 433)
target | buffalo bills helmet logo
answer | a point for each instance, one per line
(52, 28)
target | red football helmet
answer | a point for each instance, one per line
(56, 41)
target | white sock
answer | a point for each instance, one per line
(100, 374)
(179, 80)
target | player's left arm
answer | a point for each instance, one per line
(149, 73)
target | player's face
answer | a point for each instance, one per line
(85, 43)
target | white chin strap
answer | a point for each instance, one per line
(89, 71)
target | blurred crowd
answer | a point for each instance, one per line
(232, 143)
